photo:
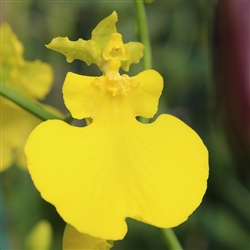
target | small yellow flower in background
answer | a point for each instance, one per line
(33, 80)
(114, 168)
(72, 239)
(40, 236)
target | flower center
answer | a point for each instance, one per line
(115, 52)
(115, 83)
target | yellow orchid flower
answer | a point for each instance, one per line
(72, 239)
(31, 79)
(116, 167)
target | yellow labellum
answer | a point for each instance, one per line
(97, 176)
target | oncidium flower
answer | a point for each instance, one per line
(116, 167)
(31, 79)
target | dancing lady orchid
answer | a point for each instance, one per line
(116, 167)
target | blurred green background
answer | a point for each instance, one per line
(184, 53)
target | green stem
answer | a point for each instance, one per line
(29, 105)
(171, 239)
(68, 118)
(144, 38)
(143, 33)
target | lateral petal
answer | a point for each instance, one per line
(80, 95)
(85, 99)
(144, 99)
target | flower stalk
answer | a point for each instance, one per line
(170, 239)
(30, 106)
(142, 28)
(143, 33)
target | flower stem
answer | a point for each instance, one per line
(28, 105)
(143, 33)
(142, 28)
(68, 118)
(171, 239)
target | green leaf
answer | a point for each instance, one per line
(102, 32)
(87, 51)
(136, 53)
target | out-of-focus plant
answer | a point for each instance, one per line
(40, 237)
(233, 36)
(33, 80)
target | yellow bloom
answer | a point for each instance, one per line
(72, 239)
(40, 237)
(31, 79)
(116, 167)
